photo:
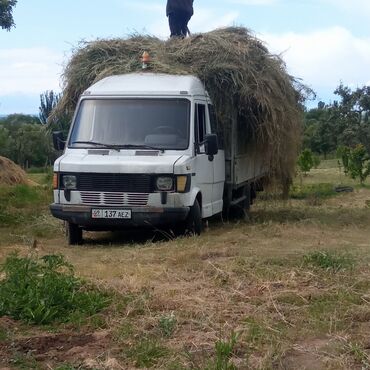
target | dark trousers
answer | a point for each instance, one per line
(178, 24)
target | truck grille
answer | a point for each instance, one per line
(114, 182)
(114, 199)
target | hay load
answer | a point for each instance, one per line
(238, 71)
(10, 173)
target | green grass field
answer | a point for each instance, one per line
(289, 288)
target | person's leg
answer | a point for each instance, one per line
(175, 26)
(184, 20)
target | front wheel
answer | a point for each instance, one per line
(194, 220)
(74, 234)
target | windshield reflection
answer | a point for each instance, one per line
(132, 123)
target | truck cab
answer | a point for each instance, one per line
(141, 152)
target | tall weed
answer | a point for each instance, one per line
(45, 290)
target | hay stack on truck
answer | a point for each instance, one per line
(142, 152)
(145, 147)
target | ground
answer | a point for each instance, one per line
(288, 288)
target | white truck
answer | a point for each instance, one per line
(143, 151)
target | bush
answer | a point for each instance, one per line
(305, 161)
(356, 161)
(358, 164)
(45, 290)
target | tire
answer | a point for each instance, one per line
(241, 210)
(194, 223)
(74, 234)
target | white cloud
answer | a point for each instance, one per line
(358, 7)
(324, 58)
(29, 70)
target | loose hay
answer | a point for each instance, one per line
(237, 70)
(10, 173)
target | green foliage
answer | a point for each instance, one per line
(358, 163)
(167, 325)
(24, 361)
(318, 130)
(147, 352)
(305, 161)
(42, 291)
(316, 161)
(48, 101)
(329, 260)
(343, 153)
(224, 351)
(342, 123)
(360, 354)
(19, 202)
(324, 190)
(6, 14)
(25, 141)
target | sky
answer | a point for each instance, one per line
(323, 42)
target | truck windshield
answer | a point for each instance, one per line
(132, 123)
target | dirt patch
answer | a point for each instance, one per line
(60, 348)
(360, 198)
(309, 354)
(7, 323)
(10, 173)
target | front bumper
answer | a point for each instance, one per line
(141, 216)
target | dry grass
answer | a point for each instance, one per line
(293, 282)
(10, 173)
(237, 69)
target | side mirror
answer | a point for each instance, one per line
(211, 144)
(58, 140)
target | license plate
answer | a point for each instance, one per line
(111, 213)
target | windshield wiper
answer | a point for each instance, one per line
(140, 146)
(108, 146)
(119, 146)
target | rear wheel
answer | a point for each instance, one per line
(241, 209)
(74, 234)
(194, 220)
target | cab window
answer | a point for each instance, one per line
(200, 123)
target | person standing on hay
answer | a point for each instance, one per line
(179, 13)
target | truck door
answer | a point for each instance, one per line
(218, 166)
(204, 169)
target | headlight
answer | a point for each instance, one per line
(69, 182)
(164, 183)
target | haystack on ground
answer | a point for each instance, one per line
(239, 74)
(10, 173)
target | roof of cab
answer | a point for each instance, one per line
(147, 84)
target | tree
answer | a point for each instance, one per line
(305, 161)
(352, 114)
(345, 122)
(319, 130)
(25, 141)
(32, 146)
(6, 14)
(48, 101)
(358, 163)
(343, 153)
(4, 142)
